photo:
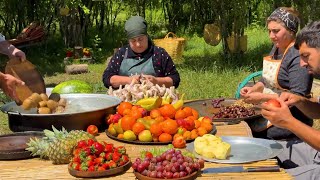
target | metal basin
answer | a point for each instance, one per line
(82, 110)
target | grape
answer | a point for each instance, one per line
(154, 160)
(173, 159)
(185, 164)
(168, 157)
(216, 102)
(168, 167)
(138, 160)
(145, 163)
(178, 152)
(179, 156)
(165, 162)
(177, 166)
(182, 173)
(180, 161)
(145, 172)
(135, 165)
(151, 167)
(169, 174)
(173, 169)
(189, 170)
(153, 174)
(159, 168)
(196, 166)
(176, 175)
(158, 158)
(159, 175)
(182, 167)
(140, 168)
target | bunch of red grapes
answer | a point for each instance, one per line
(170, 164)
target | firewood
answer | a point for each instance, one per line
(76, 68)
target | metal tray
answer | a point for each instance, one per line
(245, 149)
(213, 131)
(82, 110)
(205, 108)
(12, 146)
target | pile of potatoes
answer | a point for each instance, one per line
(45, 104)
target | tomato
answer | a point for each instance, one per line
(273, 103)
(92, 129)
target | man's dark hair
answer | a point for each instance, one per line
(310, 34)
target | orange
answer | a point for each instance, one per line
(138, 127)
(194, 134)
(188, 111)
(169, 126)
(180, 114)
(127, 122)
(155, 129)
(176, 136)
(207, 126)
(136, 114)
(135, 107)
(154, 113)
(207, 120)
(165, 137)
(187, 135)
(197, 124)
(202, 131)
(167, 110)
(122, 106)
(195, 114)
(120, 136)
(159, 119)
(126, 112)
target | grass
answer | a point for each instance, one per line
(205, 73)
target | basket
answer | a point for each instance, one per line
(173, 45)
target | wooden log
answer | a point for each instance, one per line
(76, 68)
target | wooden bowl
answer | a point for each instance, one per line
(192, 176)
(97, 174)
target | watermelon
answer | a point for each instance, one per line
(73, 86)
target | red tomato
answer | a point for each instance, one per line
(274, 103)
(92, 129)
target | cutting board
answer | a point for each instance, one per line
(27, 72)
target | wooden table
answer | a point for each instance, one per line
(40, 169)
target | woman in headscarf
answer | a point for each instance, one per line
(140, 58)
(281, 72)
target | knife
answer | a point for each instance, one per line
(236, 169)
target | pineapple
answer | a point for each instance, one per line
(57, 145)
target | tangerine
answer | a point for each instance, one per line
(127, 122)
(126, 112)
(197, 124)
(176, 136)
(154, 113)
(207, 126)
(138, 127)
(169, 126)
(207, 120)
(120, 136)
(180, 114)
(165, 137)
(195, 114)
(194, 134)
(188, 111)
(156, 129)
(159, 119)
(122, 106)
(136, 114)
(202, 131)
(187, 135)
(167, 110)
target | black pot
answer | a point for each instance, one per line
(82, 110)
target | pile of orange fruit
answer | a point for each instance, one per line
(163, 122)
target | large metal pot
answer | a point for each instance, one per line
(81, 111)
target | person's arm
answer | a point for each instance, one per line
(169, 75)
(167, 81)
(11, 51)
(282, 117)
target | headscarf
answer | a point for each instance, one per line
(135, 26)
(290, 20)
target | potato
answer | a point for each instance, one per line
(62, 102)
(44, 110)
(44, 97)
(36, 97)
(59, 109)
(42, 104)
(52, 104)
(27, 104)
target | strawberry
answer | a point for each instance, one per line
(76, 159)
(99, 160)
(98, 148)
(106, 165)
(148, 154)
(101, 168)
(120, 149)
(108, 156)
(125, 158)
(76, 166)
(116, 156)
(83, 167)
(82, 144)
(88, 163)
(91, 168)
(90, 142)
(90, 158)
(108, 147)
(112, 164)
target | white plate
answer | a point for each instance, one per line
(245, 149)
